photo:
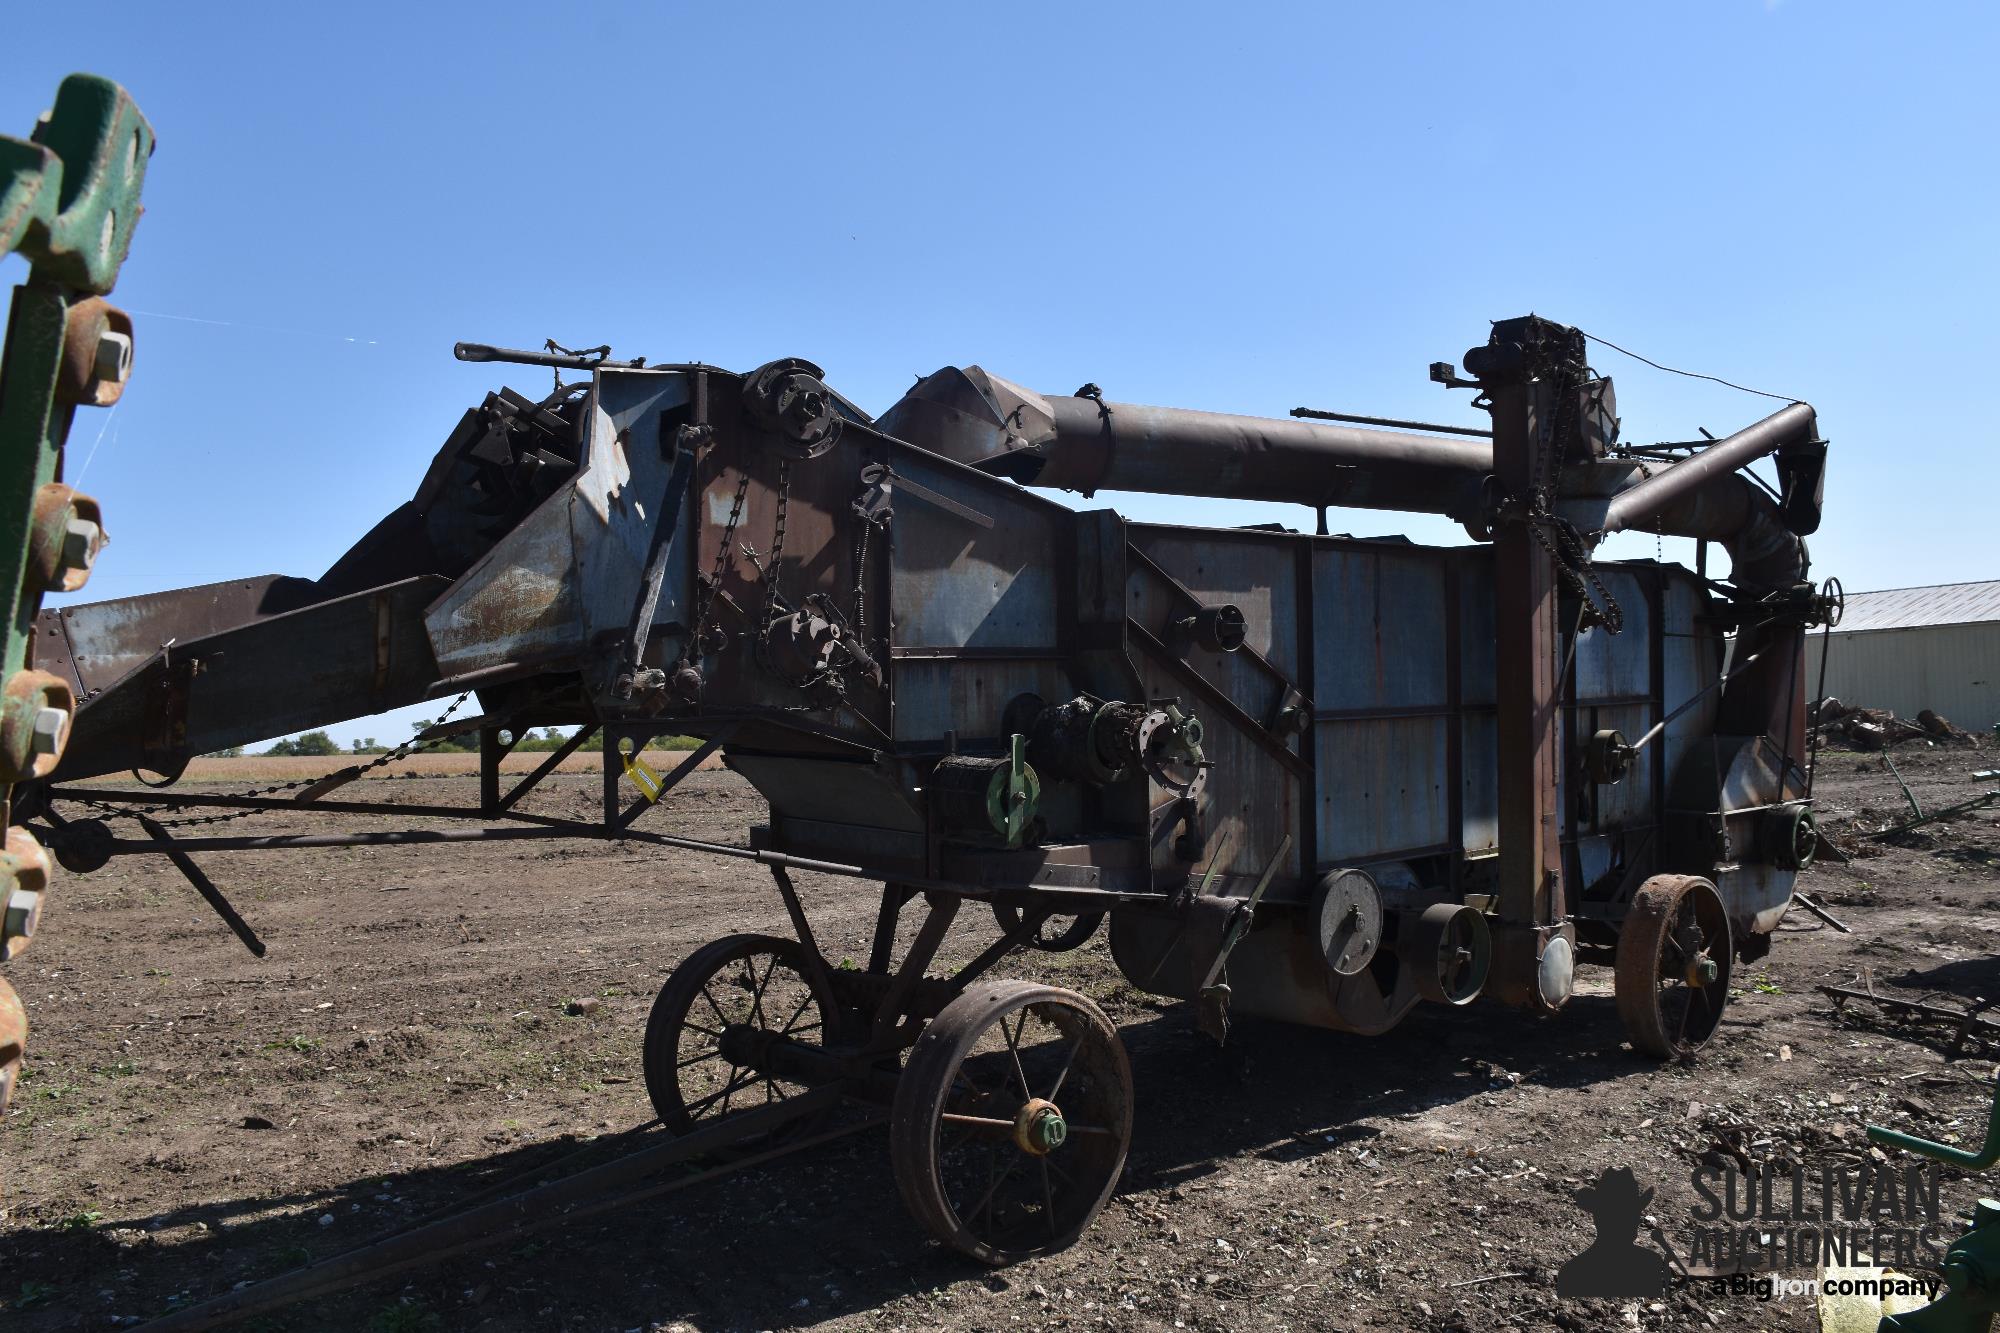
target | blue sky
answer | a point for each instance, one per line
(1242, 208)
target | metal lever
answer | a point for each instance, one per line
(1212, 1015)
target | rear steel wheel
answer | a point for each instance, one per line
(1674, 959)
(749, 983)
(1059, 932)
(1011, 1120)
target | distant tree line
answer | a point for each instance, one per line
(318, 744)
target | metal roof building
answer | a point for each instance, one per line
(1908, 649)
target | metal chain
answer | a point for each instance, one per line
(777, 541)
(1578, 571)
(768, 570)
(704, 597)
(861, 581)
(1573, 564)
(401, 752)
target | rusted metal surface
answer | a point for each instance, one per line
(843, 609)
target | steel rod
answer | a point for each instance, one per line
(1721, 680)
(117, 796)
(1315, 414)
(1083, 898)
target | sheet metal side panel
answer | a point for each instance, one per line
(1481, 800)
(1257, 577)
(959, 583)
(1255, 571)
(1379, 622)
(1618, 666)
(968, 696)
(1250, 795)
(97, 643)
(1382, 784)
(1379, 645)
(1628, 803)
(1688, 664)
(519, 600)
(613, 527)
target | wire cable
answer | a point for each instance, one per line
(1691, 374)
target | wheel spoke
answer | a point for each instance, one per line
(1000, 1178)
(797, 1014)
(982, 1121)
(1075, 1128)
(757, 993)
(1014, 1050)
(737, 1078)
(1063, 1073)
(697, 1059)
(720, 1017)
(1048, 1198)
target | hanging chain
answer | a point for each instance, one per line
(1573, 563)
(705, 594)
(1567, 549)
(767, 570)
(401, 752)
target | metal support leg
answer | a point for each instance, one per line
(886, 918)
(614, 768)
(802, 928)
(924, 948)
(204, 886)
(491, 752)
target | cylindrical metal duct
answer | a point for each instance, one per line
(1086, 445)
(1126, 447)
(1082, 444)
(1637, 507)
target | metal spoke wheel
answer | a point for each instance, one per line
(1673, 965)
(1059, 933)
(712, 1004)
(1011, 1120)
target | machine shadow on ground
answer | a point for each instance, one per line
(800, 1240)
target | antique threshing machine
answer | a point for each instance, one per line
(1308, 778)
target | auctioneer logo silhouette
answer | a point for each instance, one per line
(1615, 1265)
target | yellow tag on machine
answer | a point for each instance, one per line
(643, 777)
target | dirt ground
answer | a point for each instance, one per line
(191, 1118)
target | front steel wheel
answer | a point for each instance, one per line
(1011, 1120)
(1673, 965)
(750, 983)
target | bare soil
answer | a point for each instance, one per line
(236, 772)
(192, 1118)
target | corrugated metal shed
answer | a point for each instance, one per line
(1908, 649)
(1937, 604)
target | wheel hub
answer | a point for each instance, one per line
(1702, 971)
(1039, 1128)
